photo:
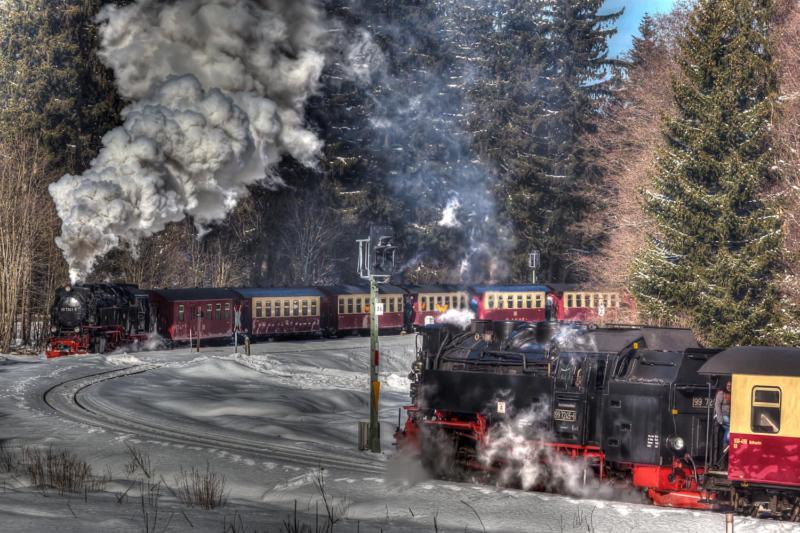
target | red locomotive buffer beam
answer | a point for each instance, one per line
(58, 347)
(672, 486)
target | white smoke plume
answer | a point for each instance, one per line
(218, 89)
(459, 317)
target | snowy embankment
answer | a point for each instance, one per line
(294, 403)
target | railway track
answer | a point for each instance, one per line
(71, 398)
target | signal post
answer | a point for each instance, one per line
(375, 263)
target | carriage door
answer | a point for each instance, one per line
(569, 399)
(549, 308)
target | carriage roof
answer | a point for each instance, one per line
(755, 360)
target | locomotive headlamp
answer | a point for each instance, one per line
(77, 329)
(72, 302)
(676, 444)
(67, 288)
(53, 329)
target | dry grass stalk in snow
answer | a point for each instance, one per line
(206, 490)
(139, 460)
(60, 470)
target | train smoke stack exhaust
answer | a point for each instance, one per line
(217, 91)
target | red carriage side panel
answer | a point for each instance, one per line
(183, 313)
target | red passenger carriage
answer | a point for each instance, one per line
(183, 313)
(346, 308)
(527, 303)
(575, 303)
(428, 302)
(279, 312)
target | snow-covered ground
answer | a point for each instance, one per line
(268, 422)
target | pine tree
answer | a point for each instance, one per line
(545, 86)
(714, 258)
(643, 45)
(52, 84)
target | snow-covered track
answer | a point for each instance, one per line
(72, 399)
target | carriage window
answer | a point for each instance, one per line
(341, 306)
(350, 305)
(296, 308)
(424, 303)
(438, 302)
(463, 302)
(500, 301)
(258, 309)
(305, 307)
(358, 305)
(529, 301)
(765, 415)
(181, 314)
(539, 301)
(209, 312)
(614, 302)
(569, 301)
(510, 301)
(578, 301)
(491, 302)
(391, 306)
(268, 309)
(519, 301)
(219, 311)
(227, 311)
(286, 308)
(399, 304)
(277, 308)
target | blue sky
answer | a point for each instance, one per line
(628, 23)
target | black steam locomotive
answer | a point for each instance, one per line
(624, 402)
(98, 317)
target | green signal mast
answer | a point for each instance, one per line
(376, 260)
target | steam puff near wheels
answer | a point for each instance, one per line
(218, 89)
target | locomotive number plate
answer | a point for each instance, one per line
(701, 402)
(564, 415)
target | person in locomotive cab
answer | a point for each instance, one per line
(722, 415)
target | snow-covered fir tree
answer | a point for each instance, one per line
(714, 257)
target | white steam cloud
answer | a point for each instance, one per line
(218, 89)
(459, 317)
(450, 214)
(519, 445)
